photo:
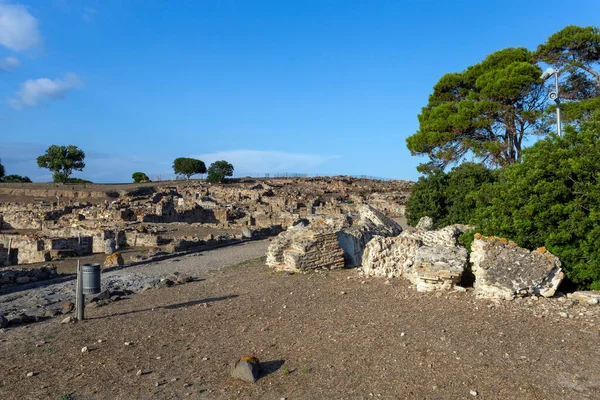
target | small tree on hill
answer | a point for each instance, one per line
(2, 171)
(188, 167)
(62, 161)
(219, 170)
(139, 177)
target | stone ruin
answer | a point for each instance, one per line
(430, 259)
(178, 217)
(329, 244)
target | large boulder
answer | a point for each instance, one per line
(504, 270)
(355, 238)
(430, 259)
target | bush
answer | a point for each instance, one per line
(219, 170)
(2, 171)
(15, 179)
(139, 177)
(552, 199)
(447, 198)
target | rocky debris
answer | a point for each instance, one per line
(329, 244)
(114, 260)
(246, 233)
(437, 267)
(504, 270)
(425, 224)
(590, 297)
(10, 277)
(67, 320)
(3, 321)
(247, 369)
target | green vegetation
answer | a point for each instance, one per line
(188, 167)
(546, 195)
(15, 179)
(552, 199)
(139, 177)
(486, 111)
(575, 51)
(62, 161)
(447, 198)
(2, 170)
(218, 171)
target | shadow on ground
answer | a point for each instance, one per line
(172, 306)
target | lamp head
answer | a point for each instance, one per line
(548, 73)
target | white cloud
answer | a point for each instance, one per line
(9, 63)
(18, 29)
(34, 92)
(255, 162)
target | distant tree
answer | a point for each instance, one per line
(62, 161)
(15, 179)
(2, 170)
(219, 170)
(139, 177)
(188, 167)
(485, 111)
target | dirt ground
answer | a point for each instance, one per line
(328, 335)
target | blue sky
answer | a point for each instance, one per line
(315, 87)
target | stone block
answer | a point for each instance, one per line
(504, 270)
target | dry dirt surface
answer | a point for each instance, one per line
(329, 335)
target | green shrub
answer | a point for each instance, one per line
(448, 198)
(15, 179)
(552, 199)
(139, 177)
(428, 198)
(76, 180)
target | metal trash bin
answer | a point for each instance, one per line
(90, 275)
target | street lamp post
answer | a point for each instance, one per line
(554, 95)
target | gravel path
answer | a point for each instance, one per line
(35, 301)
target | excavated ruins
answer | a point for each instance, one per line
(43, 224)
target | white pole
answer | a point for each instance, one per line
(558, 125)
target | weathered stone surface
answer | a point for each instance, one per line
(437, 267)
(3, 321)
(389, 257)
(584, 296)
(432, 260)
(246, 233)
(354, 238)
(504, 270)
(247, 369)
(425, 223)
(68, 307)
(303, 248)
(114, 260)
(447, 236)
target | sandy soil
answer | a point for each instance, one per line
(319, 336)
